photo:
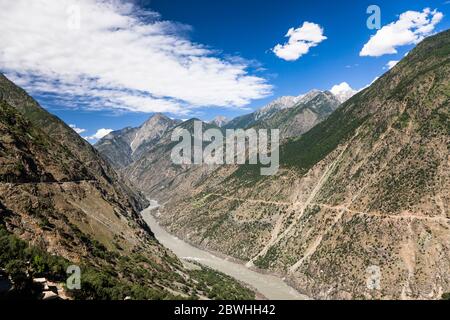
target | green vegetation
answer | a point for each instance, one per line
(119, 277)
(241, 122)
(402, 121)
(446, 296)
(312, 147)
(304, 152)
(248, 173)
(220, 286)
(270, 256)
(438, 123)
(23, 263)
(404, 188)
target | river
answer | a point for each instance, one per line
(272, 287)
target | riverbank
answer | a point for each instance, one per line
(270, 286)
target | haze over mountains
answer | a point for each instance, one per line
(363, 185)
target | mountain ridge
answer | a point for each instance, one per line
(122, 147)
(292, 115)
(366, 188)
(57, 209)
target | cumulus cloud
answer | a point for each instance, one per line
(76, 129)
(342, 87)
(343, 91)
(300, 41)
(101, 133)
(411, 28)
(391, 64)
(112, 54)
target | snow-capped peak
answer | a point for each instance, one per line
(220, 121)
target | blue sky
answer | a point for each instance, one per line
(226, 35)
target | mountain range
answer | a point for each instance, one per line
(363, 185)
(363, 190)
(62, 204)
(292, 115)
(151, 170)
(123, 147)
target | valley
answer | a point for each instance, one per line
(358, 207)
(271, 287)
(363, 186)
(62, 205)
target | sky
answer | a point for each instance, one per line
(105, 65)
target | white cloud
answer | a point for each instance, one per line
(373, 81)
(339, 88)
(391, 64)
(76, 129)
(411, 28)
(343, 91)
(101, 133)
(120, 58)
(300, 41)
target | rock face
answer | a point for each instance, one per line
(115, 147)
(363, 198)
(293, 116)
(155, 174)
(264, 113)
(123, 147)
(308, 111)
(220, 121)
(150, 133)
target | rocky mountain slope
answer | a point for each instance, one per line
(220, 121)
(62, 204)
(123, 147)
(292, 115)
(307, 112)
(137, 152)
(156, 175)
(248, 120)
(362, 196)
(115, 147)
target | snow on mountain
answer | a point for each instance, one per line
(220, 121)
